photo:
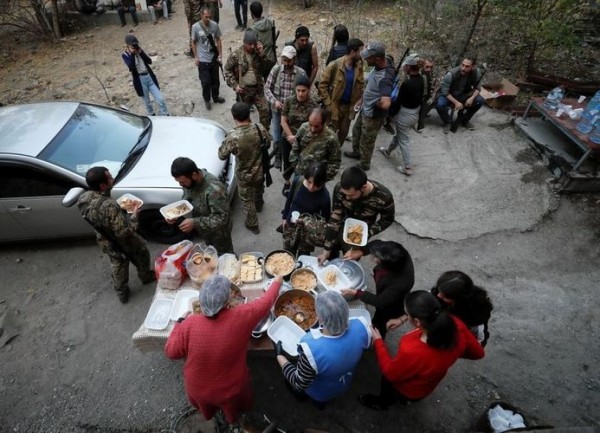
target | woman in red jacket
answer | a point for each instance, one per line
(216, 377)
(424, 354)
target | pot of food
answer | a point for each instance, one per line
(304, 279)
(280, 263)
(299, 306)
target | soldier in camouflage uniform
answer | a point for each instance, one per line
(211, 215)
(115, 231)
(245, 142)
(243, 74)
(355, 196)
(376, 101)
(296, 110)
(192, 9)
(315, 142)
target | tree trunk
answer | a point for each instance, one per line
(480, 6)
(55, 20)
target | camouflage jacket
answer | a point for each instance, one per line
(211, 207)
(308, 148)
(238, 59)
(380, 202)
(244, 142)
(104, 212)
(297, 112)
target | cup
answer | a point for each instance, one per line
(295, 216)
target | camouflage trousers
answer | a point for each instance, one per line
(302, 237)
(256, 96)
(251, 196)
(364, 134)
(220, 238)
(137, 252)
(341, 125)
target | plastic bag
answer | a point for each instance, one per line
(170, 267)
(201, 263)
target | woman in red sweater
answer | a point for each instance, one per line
(216, 377)
(424, 354)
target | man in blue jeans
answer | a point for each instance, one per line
(460, 90)
(144, 80)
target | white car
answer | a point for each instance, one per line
(46, 149)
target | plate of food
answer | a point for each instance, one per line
(251, 268)
(356, 232)
(175, 210)
(130, 202)
(332, 278)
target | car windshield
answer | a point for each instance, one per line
(95, 136)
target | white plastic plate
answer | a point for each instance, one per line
(131, 197)
(341, 281)
(165, 209)
(285, 330)
(351, 222)
(181, 304)
(158, 315)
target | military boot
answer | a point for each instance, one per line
(123, 294)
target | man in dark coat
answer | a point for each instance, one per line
(144, 80)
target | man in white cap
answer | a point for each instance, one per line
(375, 104)
(279, 86)
(242, 73)
(406, 111)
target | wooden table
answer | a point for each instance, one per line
(564, 150)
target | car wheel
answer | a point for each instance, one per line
(153, 227)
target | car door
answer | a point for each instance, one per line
(32, 200)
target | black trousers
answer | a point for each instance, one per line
(242, 19)
(209, 77)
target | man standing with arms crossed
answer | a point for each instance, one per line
(375, 104)
(207, 48)
(341, 88)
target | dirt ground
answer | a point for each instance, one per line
(72, 367)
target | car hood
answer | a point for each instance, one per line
(172, 137)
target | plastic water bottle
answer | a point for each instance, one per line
(595, 135)
(589, 118)
(554, 98)
(594, 102)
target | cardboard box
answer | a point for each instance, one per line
(502, 96)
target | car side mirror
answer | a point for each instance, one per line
(72, 196)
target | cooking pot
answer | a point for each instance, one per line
(286, 276)
(299, 306)
(353, 270)
(263, 325)
(304, 271)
